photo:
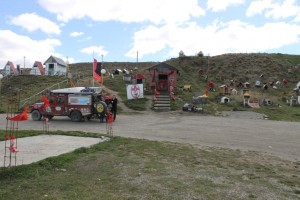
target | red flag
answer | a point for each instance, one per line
(46, 101)
(96, 75)
(20, 117)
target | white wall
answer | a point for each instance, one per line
(58, 70)
(35, 71)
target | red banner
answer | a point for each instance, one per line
(46, 101)
(20, 117)
(96, 75)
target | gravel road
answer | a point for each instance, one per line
(244, 131)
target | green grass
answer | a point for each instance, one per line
(26, 87)
(126, 168)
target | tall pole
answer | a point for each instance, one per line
(137, 60)
(102, 70)
(1, 76)
(93, 69)
(24, 65)
(24, 62)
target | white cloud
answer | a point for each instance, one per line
(287, 9)
(297, 19)
(14, 47)
(218, 38)
(275, 10)
(155, 11)
(258, 7)
(222, 5)
(76, 34)
(97, 51)
(32, 22)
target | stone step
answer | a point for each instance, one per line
(162, 102)
(161, 109)
(164, 92)
(162, 105)
(158, 97)
(163, 96)
(162, 99)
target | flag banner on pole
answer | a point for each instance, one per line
(20, 117)
(135, 91)
(97, 71)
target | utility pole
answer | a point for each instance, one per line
(1, 76)
(103, 71)
(24, 62)
(137, 60)
(23, 66)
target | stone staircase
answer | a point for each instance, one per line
(162, 102)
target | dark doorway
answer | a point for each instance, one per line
(51, 69)
(162, 77)
(163, 82)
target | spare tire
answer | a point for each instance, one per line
(100, 107)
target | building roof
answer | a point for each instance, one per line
(53, 59)
(12, 67)
(163, 66)
(39, 65)
(78, 90)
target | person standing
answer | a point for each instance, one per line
(114, 106)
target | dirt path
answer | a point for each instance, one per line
(120, 102)
(245, 133)
(124, 108)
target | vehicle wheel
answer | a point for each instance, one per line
(36, 115)
(76, 116)
(101, 107)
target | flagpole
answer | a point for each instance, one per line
(101, 70)
(93, 70)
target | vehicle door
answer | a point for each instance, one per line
(58, 105)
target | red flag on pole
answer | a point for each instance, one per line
(20, 117)
(96, 73)
(46, 101)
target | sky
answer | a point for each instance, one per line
(144, 30)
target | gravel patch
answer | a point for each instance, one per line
(243, 115)
(36, 148)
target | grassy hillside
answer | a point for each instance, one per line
(23, 87)
(242, 67)
(85, 69)
(220, 69)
